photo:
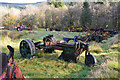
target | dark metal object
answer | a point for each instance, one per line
(90, 59)
(27, 48)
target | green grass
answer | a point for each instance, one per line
(46, 65)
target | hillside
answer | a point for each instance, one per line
(46, 65)
(19, 5)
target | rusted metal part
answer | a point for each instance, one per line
(27, 47)
(70, 51)
(10, 70)
(100, 34)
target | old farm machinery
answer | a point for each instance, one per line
(9, 69)
(95, 34)
(19, 27)
(70, 51)
(100, 34)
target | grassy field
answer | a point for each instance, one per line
(46, 65)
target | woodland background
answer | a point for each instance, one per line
(61, 15)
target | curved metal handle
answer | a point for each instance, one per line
(11, 52)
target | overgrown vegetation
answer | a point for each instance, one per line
(46, 65)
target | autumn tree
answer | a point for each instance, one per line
(48, 18)
(56, 3)
(9, 20)
(86, 15)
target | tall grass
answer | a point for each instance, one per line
(46, 65)
(111, 41)
(95, 47)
